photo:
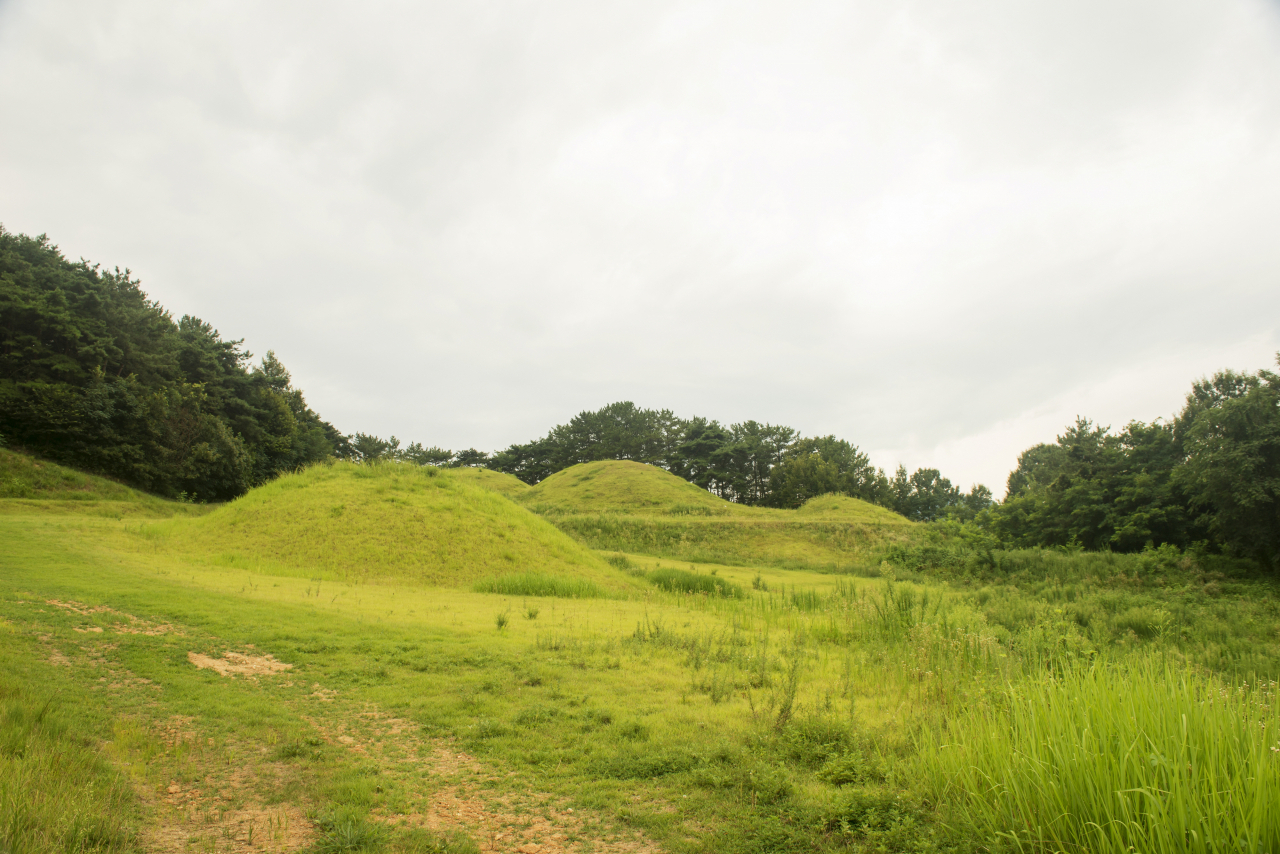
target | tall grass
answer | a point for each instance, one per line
(1151, 758)
(540, 584)
(56, 792)
(682, 581)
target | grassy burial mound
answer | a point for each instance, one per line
(846, 508)
(31, 485)
(623, 486)
(623, 506)
(389, 522)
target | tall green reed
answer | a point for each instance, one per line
(1150, 758)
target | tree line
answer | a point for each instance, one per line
(764, 465)
(96, 375)
(1209, 477)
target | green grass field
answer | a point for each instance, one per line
(273, 675)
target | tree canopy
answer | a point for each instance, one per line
(1210, 477)
(96, 375)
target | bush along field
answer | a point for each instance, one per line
(281, 675)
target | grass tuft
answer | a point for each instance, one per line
(682, 581)
(540, 584)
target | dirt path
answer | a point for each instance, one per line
(227, 793)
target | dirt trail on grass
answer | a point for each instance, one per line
(236, 795)
(462, 794)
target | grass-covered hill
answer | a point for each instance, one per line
(624, 486)
(387, 522)
(631, 507)
(34, 484)
(846, 508)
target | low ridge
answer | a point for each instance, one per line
(31, 484)
(624, 506)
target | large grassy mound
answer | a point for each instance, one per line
(626, 486)
(31, 485)
(386, 522)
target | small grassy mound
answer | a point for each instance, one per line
(386, 522)
(508, 484)
(27, 484)
(623, 485)
(836, 507)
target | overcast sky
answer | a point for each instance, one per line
(940, 230)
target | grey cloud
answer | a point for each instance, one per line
(916, 225)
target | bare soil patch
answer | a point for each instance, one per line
(238, 664)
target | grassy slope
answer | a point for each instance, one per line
(386, 523)
(509, 485)
(630, 507)
(37, 484)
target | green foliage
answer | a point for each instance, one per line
(620, 431)
(1099, 490)
(812, 467)
(749, 464)
(1212, 476)
(96, 375)
(1230, 429)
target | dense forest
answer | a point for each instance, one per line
(96, 375)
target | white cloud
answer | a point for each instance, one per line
(939, 231)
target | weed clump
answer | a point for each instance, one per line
(682, 581)
(424, 841)
(56, 793)
(540, 584)
(344, 829)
